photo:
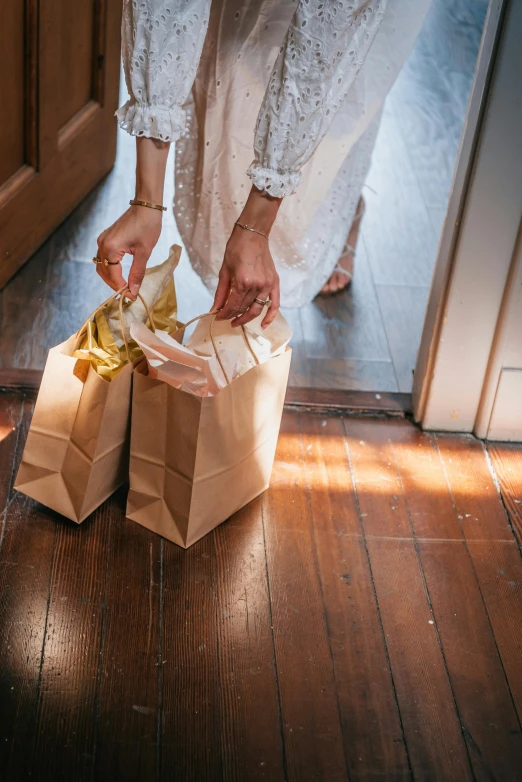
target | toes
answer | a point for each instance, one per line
(341, 282)
(336, 283)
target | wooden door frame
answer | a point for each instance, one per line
(479, 236)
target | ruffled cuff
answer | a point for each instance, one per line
(151, 120)
(276, 183)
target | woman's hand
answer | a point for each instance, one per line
(136, 232)
(248, 271)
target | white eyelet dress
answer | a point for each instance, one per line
(297, 86)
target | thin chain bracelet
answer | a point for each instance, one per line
(248, 228)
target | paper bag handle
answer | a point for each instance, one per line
(122, 324)
(119, 293)
(216, 351)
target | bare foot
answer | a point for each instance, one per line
(340, 280)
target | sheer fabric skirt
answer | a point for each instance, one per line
(211, 185)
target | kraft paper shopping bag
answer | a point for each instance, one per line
(195, 460)
(77, 449)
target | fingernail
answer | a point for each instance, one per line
(134, 288)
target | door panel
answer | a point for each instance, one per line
(12, 89)
(62, 92)
(75, 88)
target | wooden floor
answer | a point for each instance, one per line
(360, 620)
(365, 339)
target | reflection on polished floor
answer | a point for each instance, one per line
(363, 339)
(361, 620)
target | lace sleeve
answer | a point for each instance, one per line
(324, 48)
(161, 47)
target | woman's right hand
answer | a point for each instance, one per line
(135, 233)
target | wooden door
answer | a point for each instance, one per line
(59, 88)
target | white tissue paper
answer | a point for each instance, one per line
(193, 367)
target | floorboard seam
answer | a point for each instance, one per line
(15, 451)
(159, 724)
(374, 590)
(395, 373)
(401, 538)
(101, 653)
(44, 635)
(276, 672)
(498, 487)
(10, 495)
(216, 603)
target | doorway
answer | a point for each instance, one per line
(364, 339)
(367, 338)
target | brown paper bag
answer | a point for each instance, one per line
(195, 460)
(76, 454)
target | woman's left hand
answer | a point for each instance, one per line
(247, 273)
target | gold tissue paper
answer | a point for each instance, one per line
(103, 343)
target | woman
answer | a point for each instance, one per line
(307, 83)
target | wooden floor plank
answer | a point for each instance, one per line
(251, 734)
(347, 325)
(346, 373)
(482, 695)
(69, 677)
(403, 308)
(507, 463)
(431, 111)
(128, 700)
(298, 365)
(430, 720)
(311, 721)
(25, 568)
(190, 728)
(397, 231)
(491, 545)
(11, 412)
(371, 725)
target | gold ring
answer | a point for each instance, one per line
(105, 261)
(260, 301)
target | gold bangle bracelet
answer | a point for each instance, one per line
(136, 202)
